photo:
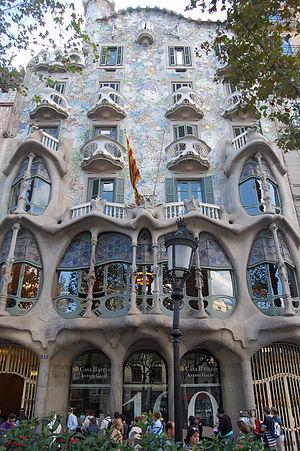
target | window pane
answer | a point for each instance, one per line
(179, 54)
(221, 283)
(117, 278)
(112, 56)
(274, 194)
(15, 196)
(53, 131)
(13, 286)
(259, 281)
(167, 287)
(183, 191)
(98, 289)
(40, 195)
(191, 289)
(196, 192)
(205, 291)
(276, 283)
(191, 130)
(107, 191)
(249, 196)
(95, 188)
(31, 282)
(179, 131)
(67, 283)
(292, 281)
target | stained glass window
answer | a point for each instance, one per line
(113, 246)
(264, 278)
(251, 191)
(24, 287)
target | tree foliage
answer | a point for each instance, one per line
(26, 24)
(254, 56)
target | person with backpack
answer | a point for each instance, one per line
(276, 430)
(106, 423)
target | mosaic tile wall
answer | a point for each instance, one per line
(145, 85)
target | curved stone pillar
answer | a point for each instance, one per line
(116, 383)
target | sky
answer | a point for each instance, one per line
(178, 6)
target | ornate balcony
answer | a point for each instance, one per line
(51, 105)
(188, 154)
(102, 153)
(109, 105)
(40, 143)
(171, 210)
(58, 61)
(232, 103)
(185, 104)
(145, 35)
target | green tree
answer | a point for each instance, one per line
(24, 24)
(255, 46)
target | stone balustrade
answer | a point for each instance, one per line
(171, 210)
(247, 136)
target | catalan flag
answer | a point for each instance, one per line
(134, 172)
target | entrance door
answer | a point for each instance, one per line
(11, 398)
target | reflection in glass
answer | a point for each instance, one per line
(222, 304)
(90, 384)
(115, 304)
(221, 283)
(117, 278)
(200, 379)
(25, 281)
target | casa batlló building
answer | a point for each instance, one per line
(86, 303)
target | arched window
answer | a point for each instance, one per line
(251, 191)
(72, 273)
(110, 275)
(144, 278)
(90, 384)
(112, 271)
(201, 386)
(145, 384)
(24, 287)
(218, 288)
(263, 276)
(39, 189)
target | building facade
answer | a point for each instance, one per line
(85, 297)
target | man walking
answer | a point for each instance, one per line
(225, 426)
(72, 422)
(276, 430)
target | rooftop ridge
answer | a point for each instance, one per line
(131, 9)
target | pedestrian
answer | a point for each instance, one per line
(277, 430)
(72, 422)
(117, 429)
(199, 425)
(10, 423)
(86, 421)
(244, 429)
(268, 419)
(106, 423)
(157, 427)
(21, 417)
(170, 433)
(192, 421)
(125, 426)
(192, 437)
(92, 427)
(225, 426)
(135, 431)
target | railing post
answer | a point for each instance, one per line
(25, 185)
(265, 186)
(287, 299)
(91, 276)
(7, 267)
(155, 273)
(133, 310)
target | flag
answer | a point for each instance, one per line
(134, 172)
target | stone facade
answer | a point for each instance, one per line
(59, 326)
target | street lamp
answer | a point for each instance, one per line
(180, 248)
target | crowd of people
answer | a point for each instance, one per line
(268, 430)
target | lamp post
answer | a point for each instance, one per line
(180, 248)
